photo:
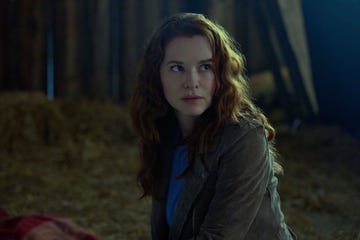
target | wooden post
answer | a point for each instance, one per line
(241, 15)
(117, 45)
(131, 50)
(12, 47)
(32, 39)
(272, 19)
(264, 29)
(100, 21)
(3, 43)
(68, 67)
(292, 17)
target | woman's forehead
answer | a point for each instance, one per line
(182, 48)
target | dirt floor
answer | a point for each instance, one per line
(78, 160)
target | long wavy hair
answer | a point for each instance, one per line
(153, 117)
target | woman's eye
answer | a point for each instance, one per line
(206, 67)
(177, 68)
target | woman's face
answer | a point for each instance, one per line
(187, 75)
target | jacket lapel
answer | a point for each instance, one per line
(194, 182)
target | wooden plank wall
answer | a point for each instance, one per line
(3, 42)
(96, 43)
(23, 44)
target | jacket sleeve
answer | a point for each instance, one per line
(243, 174)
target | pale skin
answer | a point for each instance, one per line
(188, 78)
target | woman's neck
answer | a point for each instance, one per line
(186, 124)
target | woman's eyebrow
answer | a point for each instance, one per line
(174, 62)
(206, 60)
(180, 62)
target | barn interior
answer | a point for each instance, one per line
(67, 73)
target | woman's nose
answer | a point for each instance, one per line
(192, 79)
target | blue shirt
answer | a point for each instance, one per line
(179, 164)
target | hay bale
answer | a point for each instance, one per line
(99, 122)
(29, 121)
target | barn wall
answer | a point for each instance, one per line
(97, 43)
(3, 42)
(23, 43)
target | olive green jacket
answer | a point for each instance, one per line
(229, 194)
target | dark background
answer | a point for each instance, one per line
(333, 32)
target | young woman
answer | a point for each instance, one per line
(207, 155)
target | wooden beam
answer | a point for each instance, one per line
(274, 62)
(273, 20)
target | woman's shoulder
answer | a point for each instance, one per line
(241, 143)
(244, 130)
(241, 127)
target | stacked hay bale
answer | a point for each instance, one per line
(30, 121)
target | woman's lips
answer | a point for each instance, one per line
(191, 99)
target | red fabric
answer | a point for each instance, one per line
(3, 213)
(40, 227)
